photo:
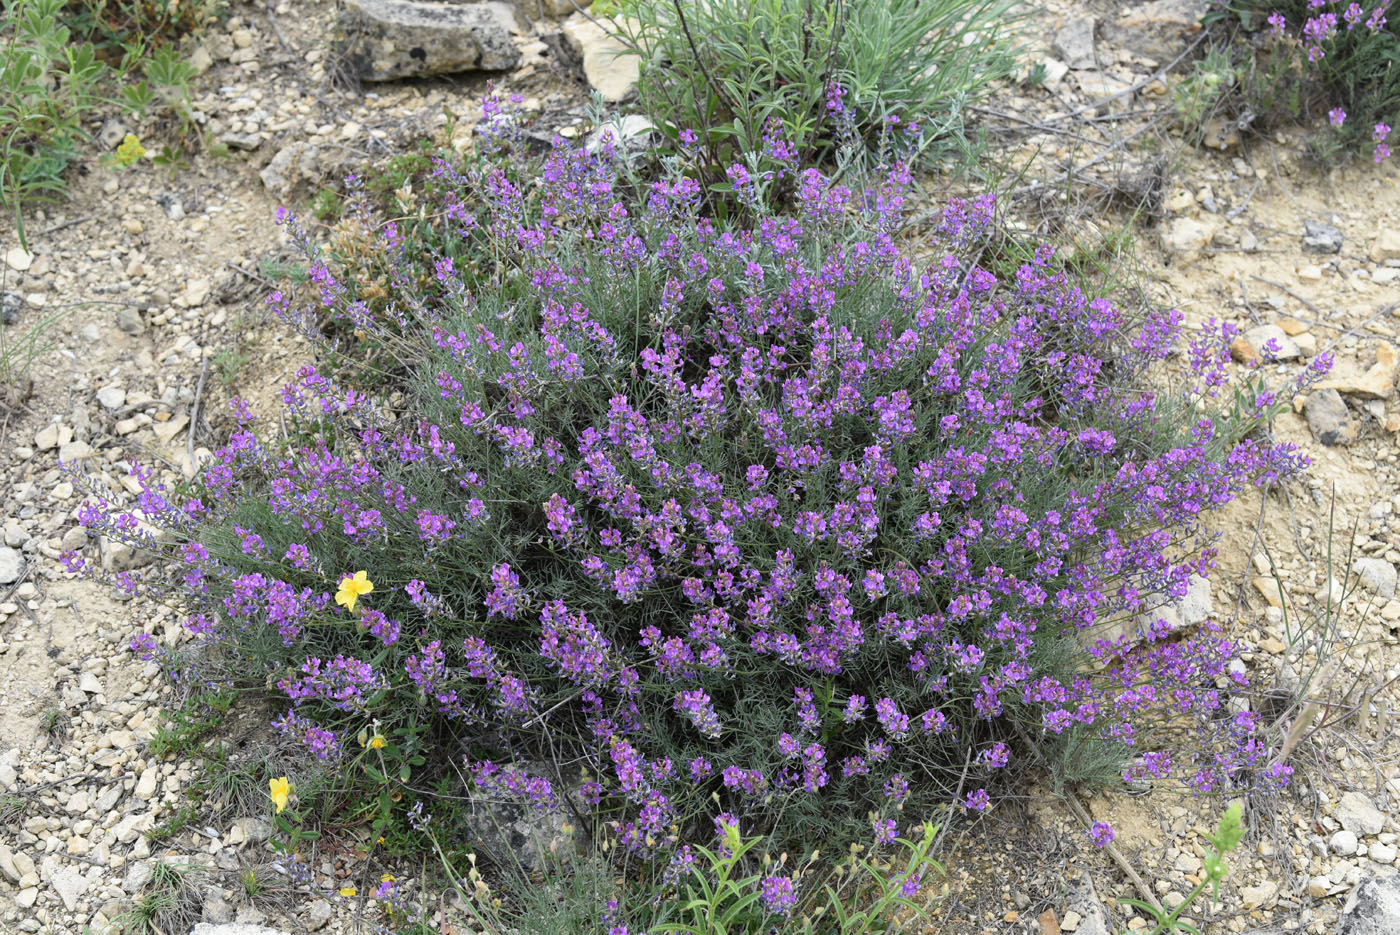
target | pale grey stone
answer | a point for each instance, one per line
(1321, 238)
(11, 565)
(1373, 908)
(1329, 419)
(1359, 815)
(1074, 43)
(381, 40)
(1377, 575)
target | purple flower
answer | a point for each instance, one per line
(977, 800)
(894, 721)
(778, 895)
(573, 645)
(886, 830)
(696, 707)
(506, 598)
(145, 646)
(1101, 833)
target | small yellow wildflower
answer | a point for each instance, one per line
(351, 588)
(347, 891)
(387, 878)
(129, 150)
(376, 742)
(280, 789)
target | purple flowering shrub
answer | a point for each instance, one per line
(1316, 56)
(682, 523)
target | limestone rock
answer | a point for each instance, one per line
(1378, 382)
(1386, 246)
(1380, 577)
(1254, 345)
(632, 134)
(610, 68)
(11, 565)
(533, 839)
(1186, 237)
(1074, 43)
(19, 259)
(1321, 238)
(381, 40)
(301, 161)
(1087, 909)
(1329, 418)
(1260, 895)
(318, 915)
(1373, 908)
(1196, 606)
(1269, 589)
(558, 9)
(129, 320)
(1159, 30)
(69, 884)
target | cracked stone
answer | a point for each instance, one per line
(382, 40)
(1321, 238)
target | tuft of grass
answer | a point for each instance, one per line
(181, 819)
(229, 363)
(861, 80)
(19, 352)
(399, 171)
(169, 902)
(281, 270)
(54, 723)
(200, 715)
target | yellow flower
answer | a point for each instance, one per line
(351, 587)
(347, 891)
(280, 789)
(130, 150)
(387, 878)
(376, 742)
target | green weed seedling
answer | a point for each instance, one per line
(1228, 834)
(49, 86)
(199, 716)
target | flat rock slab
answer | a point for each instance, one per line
(381, 40)
(1373, 908)
(610, 68)
(1159, 30)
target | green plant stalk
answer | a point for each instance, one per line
(1227, 837)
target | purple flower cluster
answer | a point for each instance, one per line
(1341, 40)
(759, 517)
